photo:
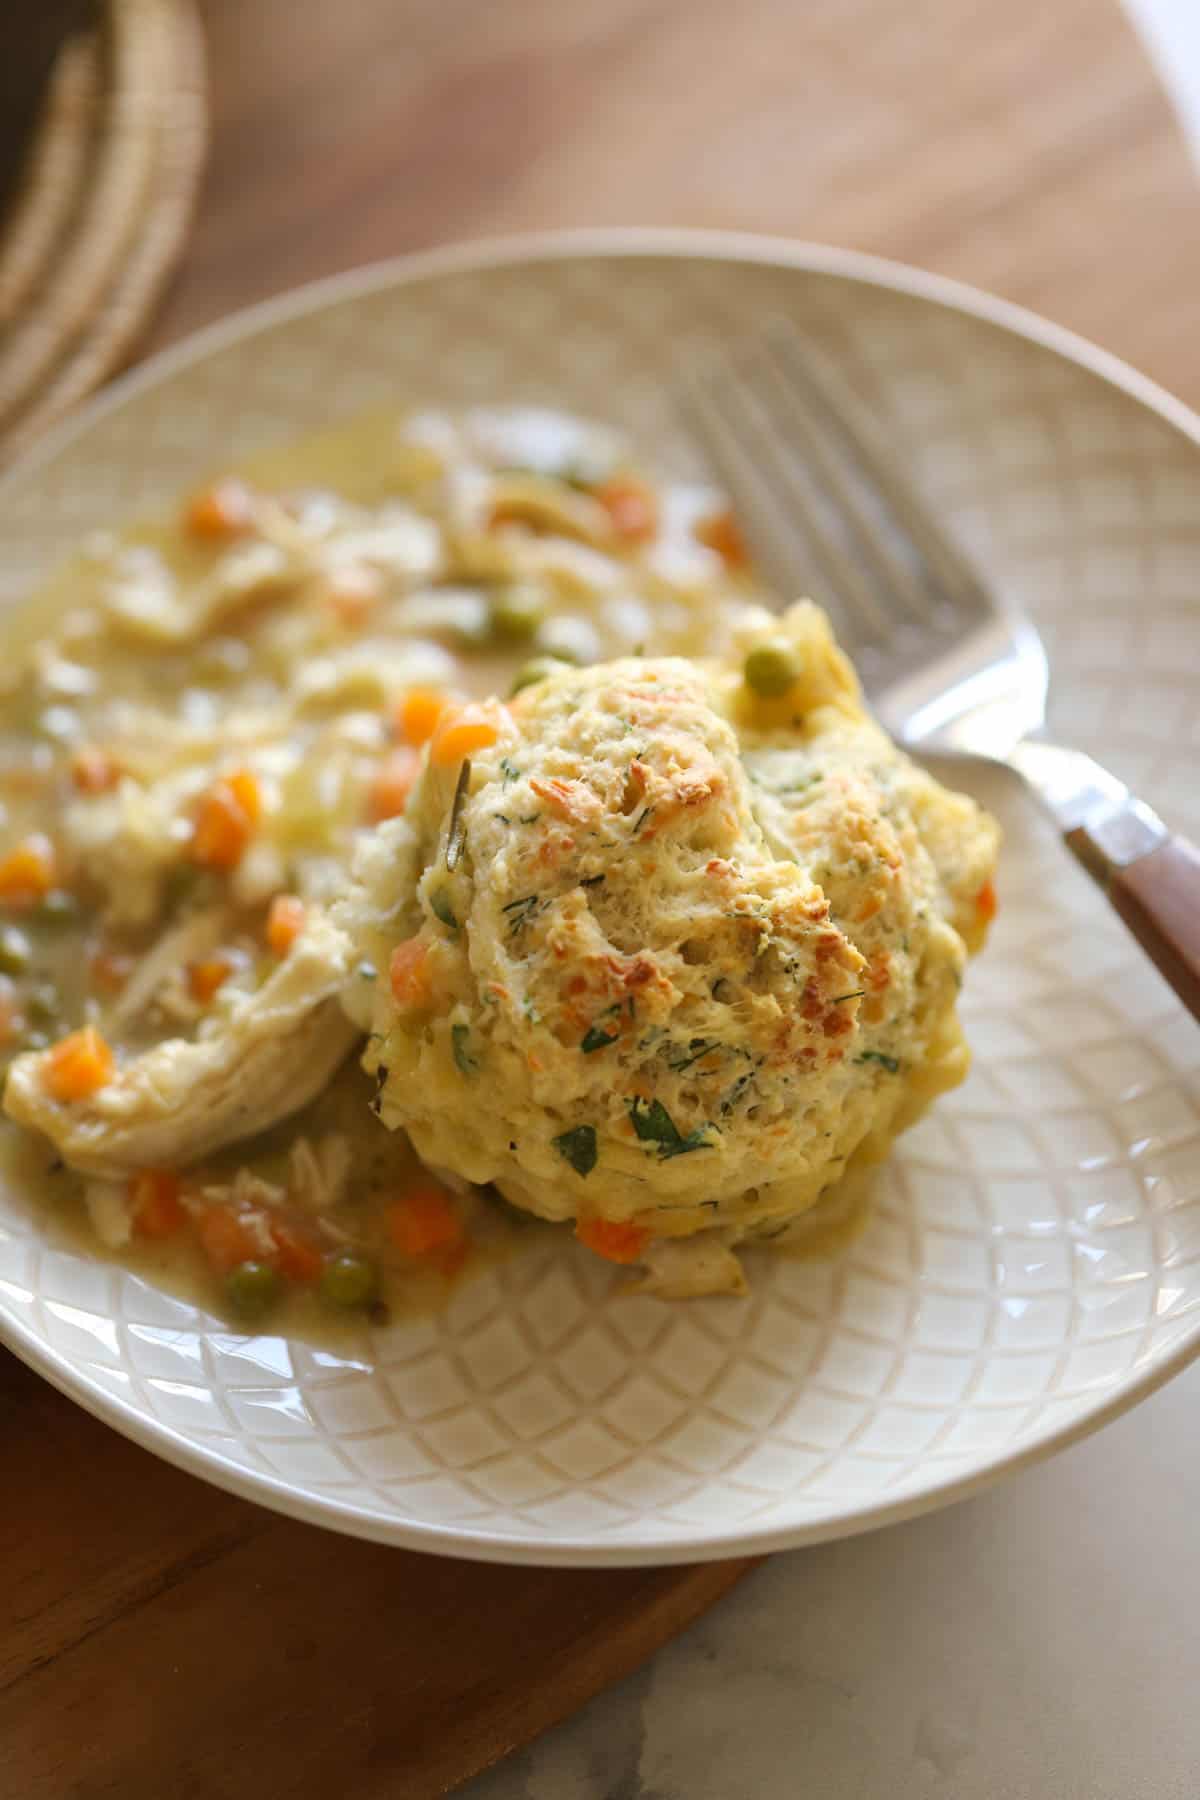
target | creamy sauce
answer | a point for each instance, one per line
(428, 554)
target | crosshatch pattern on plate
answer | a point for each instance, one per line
(1034, 1244)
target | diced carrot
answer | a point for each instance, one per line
(632, 507)
(391, 785)
(352, 591)
(424, 1223)
(297, 1254)
(110, 970)
(616, 1240)
(158, 1211)
(460, 732)
(93, 771)
(985, 901)
(722, 533)
(285, 922)
(224, 821)
(27, 873)
(226, 1238)
(243, 785)
(78, 1065)
(224, 510)
(205, 977)
(412, 988)
(417, 714)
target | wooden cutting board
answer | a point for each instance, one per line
(162, 1639)
(159, 1639)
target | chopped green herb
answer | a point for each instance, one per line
(641, 819)
(456, 831)
(439, 903)
(460, 1037)
(595, 1038)
(521, 911)
(591, 880)
(890, 1063)
(654, 1125)
(855, 994)
(736, 1092)
(578, 1146)
(530, 818)
(696, 1049)
(509, 771)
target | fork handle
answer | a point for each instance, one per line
(1151, 877)
(1158, 896)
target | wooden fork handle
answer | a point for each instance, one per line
(1158, 896)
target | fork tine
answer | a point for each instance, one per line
(774, 545)
(946, 561)
(791, 403)
(762, 477)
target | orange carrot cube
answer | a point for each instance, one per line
(78, 1065)
(285, 922)
(391, 785)
(409, 974)
(158, 1211)
(423, 1222)
(460, 733)
(27, 873)
(417, 714)
(224, 510)
(616, 1240)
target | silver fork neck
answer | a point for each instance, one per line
(1108, 827)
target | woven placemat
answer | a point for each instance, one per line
(102, 209)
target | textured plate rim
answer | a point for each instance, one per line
(524, 250)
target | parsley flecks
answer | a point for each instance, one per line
(641, 819)
(594, 1038)
(509, 771)
(890, 1063)
(696, 1049)
(519, 912)
(857, 994)
(590, 880)
(736, 1091)
(578, 1147)
(460, 1038)
(654, 1125)
(439, 905)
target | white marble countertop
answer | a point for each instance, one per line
(1040, 1642)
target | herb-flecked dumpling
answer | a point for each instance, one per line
(663, 955)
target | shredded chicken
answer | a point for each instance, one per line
(179, 1101)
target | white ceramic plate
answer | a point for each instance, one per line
(1032, 1265)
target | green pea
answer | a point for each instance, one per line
(349, 1280)
(58, 909)
(15, 951)
(442, 907)
(540, 669)
(772, 667)
(43, 1004)
(517, 611)
(252, 1288)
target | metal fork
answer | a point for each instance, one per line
(820, 490)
